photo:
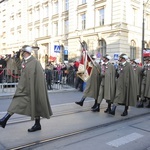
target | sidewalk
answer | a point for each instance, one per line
(9, 93)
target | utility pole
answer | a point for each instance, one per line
(143, 31)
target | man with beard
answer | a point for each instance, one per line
(107, 86)
(126, 93)
(31, 97)
(92, 84)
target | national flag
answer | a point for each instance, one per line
(85, 67)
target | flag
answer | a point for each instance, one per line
(85, 67)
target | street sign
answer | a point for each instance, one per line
(65, 52)
(116, 56)
(56, 48)
(98, 55)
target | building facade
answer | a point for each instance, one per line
(57, 26)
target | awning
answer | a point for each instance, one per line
(146, 53)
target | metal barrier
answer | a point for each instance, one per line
(9, 80)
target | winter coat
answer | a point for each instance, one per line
(146, 81)
(126, 91)
(31, 97)
(93, 83)
(108, 82)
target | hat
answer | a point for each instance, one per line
(27, 48)
(124, 56)
(107, 57)
(137, 61)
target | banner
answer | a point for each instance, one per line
(85, 66)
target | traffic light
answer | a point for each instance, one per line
(65, 55)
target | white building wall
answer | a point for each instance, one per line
(118, 30)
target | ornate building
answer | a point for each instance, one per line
(58, 26)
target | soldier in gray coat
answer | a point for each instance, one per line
(138, 72)
(126, 91)
(31, 97)
(92, 85)
(145, 87)
(107, 86)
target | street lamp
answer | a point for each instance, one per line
(143, 29)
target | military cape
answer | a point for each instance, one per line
(126, 91)
(93, 83)
(31, 97)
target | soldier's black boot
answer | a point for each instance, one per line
(148, 104)
(81, 102)
(4, 120)
(95, 104)
(140, 104)
(108, 110)
(125, 113)
(36, 127)
(97, 108)
(112, 112)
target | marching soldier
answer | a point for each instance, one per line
(138, 72)
(145, 87)
(107, 86)
(92, 84)
(126, 92)
(31, 97)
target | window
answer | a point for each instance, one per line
(102, 47)
(30, 34)
(4, 24)
(37, 32)
(101, 17)
(66, 5)
(55, 8)
(37, 14)
(18, 35)
(19, 18)
(83, 21)
(45, 30)
(30, 16)
(12, 21)
(46, 11)
(147, 21)
(134, 16)
(83, 1)
(66, 26)
(133, 50)
(55, 31)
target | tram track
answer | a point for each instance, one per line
(58, 114)
(67, 135)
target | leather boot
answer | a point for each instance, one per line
(108, 110)
(36, 127)
(95, 104)
(112, 112)
(81, 102)
(148, 104)
(140, 104)
(97, 108)
(125, 113)
(4, 120)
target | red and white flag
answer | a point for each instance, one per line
(85, 67)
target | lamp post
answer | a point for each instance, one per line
(143, 28)
(143, 31)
